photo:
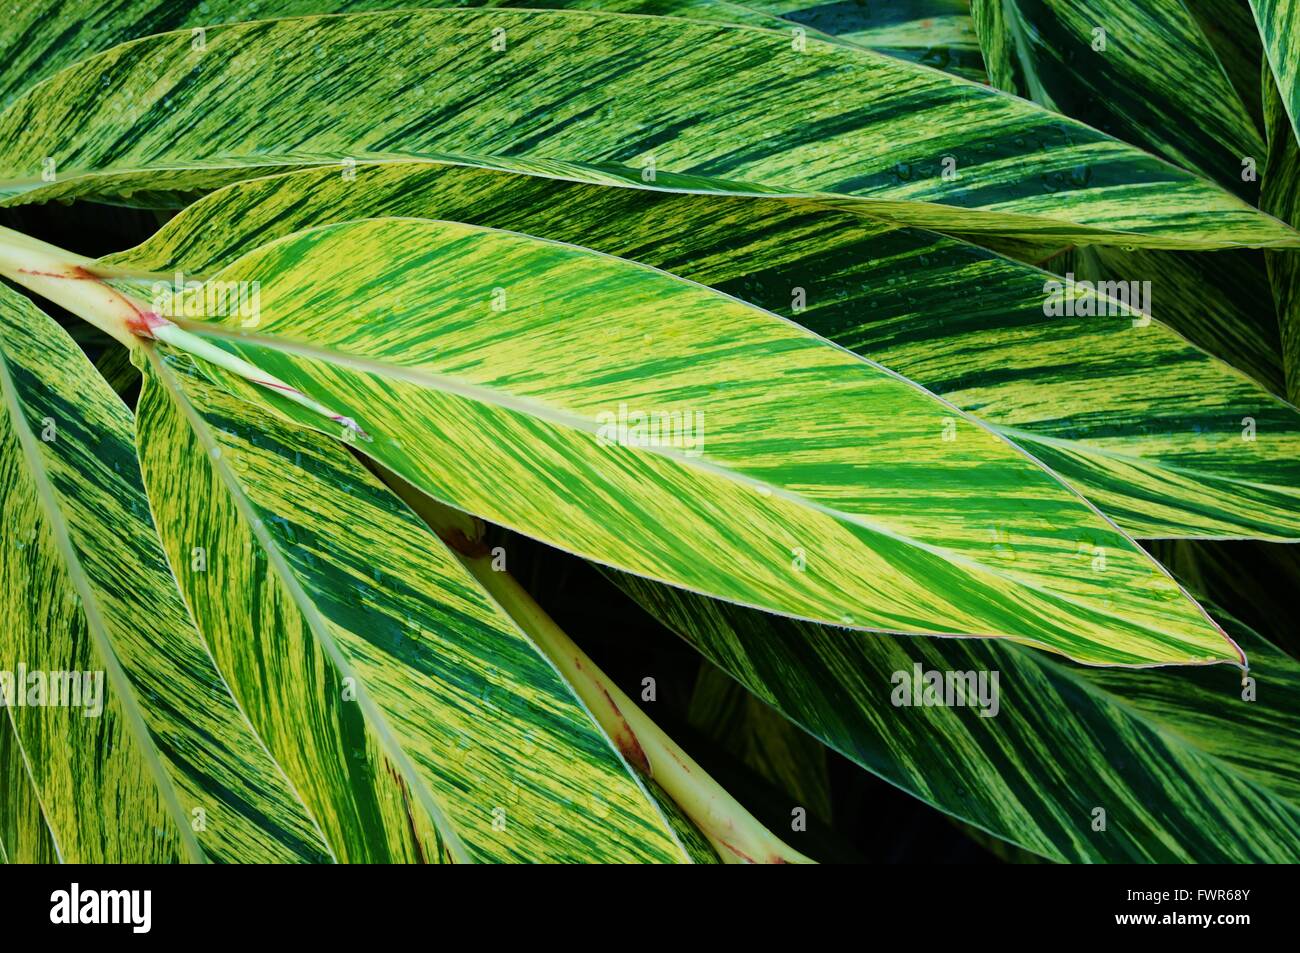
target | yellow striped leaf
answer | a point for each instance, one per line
(657, 426)
(684, 104)
(1279, 27)
(40, 39)
(1074, 763)
(1141, 70)
(417, 721)
(1163, 438)
(24, 833)
(157, 763)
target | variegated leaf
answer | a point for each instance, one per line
(417, 720)
(157, 763)
(1140, 70)
(657, 426)
(1164, 439)
(730, 112)
(1073, 763)
(1279, 26)
(39, 39)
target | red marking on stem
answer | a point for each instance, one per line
(738, 852)
(142, 323)
(627, 741)
(463, 544)
(276, 385)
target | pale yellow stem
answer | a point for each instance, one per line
(70, 280)
(66, 279)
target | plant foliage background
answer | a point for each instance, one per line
(850, 236)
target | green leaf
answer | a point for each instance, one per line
(1229, 26)
(415, 718)
(1279, 25)
(1281, 197)
(24, 833)
(687, 104)
(459, 350)
(84, 588)
(40, 39)
(1220, 301)
(1149, 428)
(935, 33)
(1183, 768)
(1149, 77)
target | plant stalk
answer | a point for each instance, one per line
(735, 833)
(67, 280)
(70, 280)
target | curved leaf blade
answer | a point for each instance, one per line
(1184, 768)
(84, 588)
(1149, 77)
(1147, 427)
(415, 718)
(391, 322)
(1279, 27)
(573, 90)
(41, 39)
